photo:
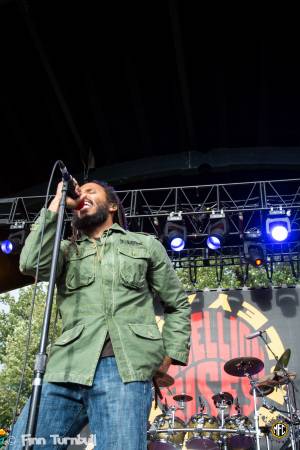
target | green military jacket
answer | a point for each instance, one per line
(107, 285)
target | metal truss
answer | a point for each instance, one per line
(233, 256)
(245, 205)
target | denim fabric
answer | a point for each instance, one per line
(117, 412)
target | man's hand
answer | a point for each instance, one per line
(70, 203)
(165, 364)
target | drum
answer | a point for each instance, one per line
(170, 440)
(203, 440)
(241, 424)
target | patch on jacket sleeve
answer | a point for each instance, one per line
(127, 241)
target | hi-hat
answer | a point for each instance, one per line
(263, 390)
(283, 360)
(244, 366)
(163, 379)
(276, 379)
(182, 398)
(222, 397)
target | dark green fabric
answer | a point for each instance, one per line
(106, 286)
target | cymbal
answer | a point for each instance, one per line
(182, 398)
(283, 360)
(264, 390)
(244, 366)
(276, 379)
(222, 397)
(163, 379)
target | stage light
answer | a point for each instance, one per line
(279, 232)
(217, 229)
(254, 249)
(213, 242)
(14, 243)
(255, 253)
(175, 232)
(6, 247)
(278, 225)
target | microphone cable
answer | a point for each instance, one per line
(28, 337)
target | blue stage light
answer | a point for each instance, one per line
(278, 228)
(217, 231)
(7, 247)
(213, 242)
(279, 232)
(175, 232)
(177, 244)
(14, 243)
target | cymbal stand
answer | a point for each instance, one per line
(291, 406)
(173, 410)
(256, 414)
(268, 441)
(222, 406)
(290, 411)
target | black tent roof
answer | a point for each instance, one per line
(125, 81)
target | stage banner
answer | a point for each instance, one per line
(221, 322)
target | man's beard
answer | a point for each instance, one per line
(89, 222)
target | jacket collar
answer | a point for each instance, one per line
(114, 228)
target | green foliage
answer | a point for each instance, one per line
(14, 320)
(233, 277)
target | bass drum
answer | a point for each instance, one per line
(241, 424)
(168, 440)
(203, 440)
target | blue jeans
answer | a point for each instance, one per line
(117, 412)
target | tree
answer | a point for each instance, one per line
(233, 277)
(14, 320)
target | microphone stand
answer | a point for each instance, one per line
(41, 357)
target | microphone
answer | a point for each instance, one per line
(71, 182)
(201, 404)
(254, 335)
(237, 405)
(269, 407)
(166, 406)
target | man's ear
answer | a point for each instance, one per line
(113, 207)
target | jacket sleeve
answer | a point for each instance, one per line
(177, 327)
(29, 254)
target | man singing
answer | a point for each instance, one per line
(100, 368)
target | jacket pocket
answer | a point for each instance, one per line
(69, 335)
(133, 265)
(81, 269)
(146, 331)
(144, 347)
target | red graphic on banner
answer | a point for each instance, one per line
(215, 340)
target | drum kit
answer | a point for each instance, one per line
(225, 431)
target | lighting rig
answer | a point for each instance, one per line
(236, 224)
